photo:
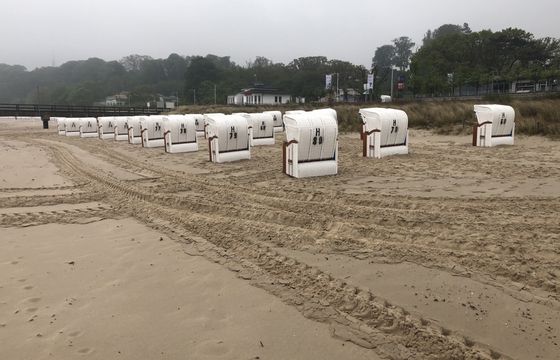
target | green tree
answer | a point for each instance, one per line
(481, 58)
(445, 30)
(384, 57)
(403, 52)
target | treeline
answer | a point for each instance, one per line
(192, 78)
(303, 77)
(454, 60)
(89, 81)
(451, 58)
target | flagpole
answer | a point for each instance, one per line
(392, 70)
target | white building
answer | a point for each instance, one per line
(259, 95)
(117, 100)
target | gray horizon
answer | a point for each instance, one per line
(36, 33)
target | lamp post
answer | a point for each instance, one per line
(392, 71)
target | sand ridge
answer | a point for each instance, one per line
(456, 210)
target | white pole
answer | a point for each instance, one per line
(337, 76)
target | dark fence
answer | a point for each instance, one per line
(47, 111)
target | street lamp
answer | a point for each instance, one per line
(392, 86)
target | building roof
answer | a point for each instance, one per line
(260, 88)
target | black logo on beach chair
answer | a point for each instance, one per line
(317, 138)
(394, 128)
(503, 120)
(232, 133)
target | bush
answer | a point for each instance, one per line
(498, 98)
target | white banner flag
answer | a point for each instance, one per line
(328, 81)
(370, 80)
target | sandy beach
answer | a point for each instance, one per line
(113, 251)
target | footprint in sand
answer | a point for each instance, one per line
(75, 333)
(33, 300)
(22, 280)
(213, 348)
(14, 262)
(28, 287)
(85, 351)
(31, 310)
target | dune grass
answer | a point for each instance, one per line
(533, 116)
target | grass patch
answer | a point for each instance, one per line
(533, 116)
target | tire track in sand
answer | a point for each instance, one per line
(356, 314)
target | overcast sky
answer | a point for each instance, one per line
(35, 32)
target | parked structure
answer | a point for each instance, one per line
(180, 133)
(106, 127)
(206, 119)
(228, 138)
(261, 127)
(121, 128)
(384, 132)
(495, 125)
(277, 120)
(134, 130)
(151, 131)
(311, 146)
(61, 125)
(72, 126)
(198, 122)
(88, 127)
